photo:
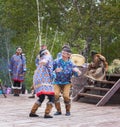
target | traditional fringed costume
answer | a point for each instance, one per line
(42, 78)
(97, 69)
(64, 70)
(42, 81)
(37, 64)
(17, 70)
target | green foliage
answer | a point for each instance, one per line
(85, 24)
(114, 67)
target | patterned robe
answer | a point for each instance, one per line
(17, 67)
(42, 79)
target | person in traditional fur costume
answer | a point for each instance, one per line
(17, 69)
(36, 63)
(42, 81)
(98, 67)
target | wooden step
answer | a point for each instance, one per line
(90, 95)
(113, 75)
(96, 88)
(105, 82)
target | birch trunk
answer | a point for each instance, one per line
(39, 32)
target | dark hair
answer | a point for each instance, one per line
(66, 46)
(42, 52)
(67, 50)
(93, 53)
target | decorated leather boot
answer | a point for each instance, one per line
(48, 110)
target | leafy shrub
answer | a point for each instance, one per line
(114, 67)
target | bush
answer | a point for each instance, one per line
(114, 67)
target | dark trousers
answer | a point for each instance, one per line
(42, 98)
(16, 84)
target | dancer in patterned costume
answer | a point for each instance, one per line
(36, 63)
(64, 69)
(17, 70)
(42, 81)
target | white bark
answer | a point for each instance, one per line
(39, 32)
(8, 56)
(54, 40)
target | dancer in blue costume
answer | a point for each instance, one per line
(42, 81)
(64, 69)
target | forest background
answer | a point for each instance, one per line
(84, 24)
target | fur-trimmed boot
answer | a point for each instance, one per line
(34, 109)
(15, 92)
(58, 107)
(67, 106)
(48, 110)
(18, 91)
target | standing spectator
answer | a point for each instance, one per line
(64, 69)
(42, 81)
(17, 70)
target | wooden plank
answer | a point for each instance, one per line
(113, 75)
(105, 82)
(97, 88)
(90, 95)
(109, 94)
(100, 81)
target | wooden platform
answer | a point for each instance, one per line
(14, 112)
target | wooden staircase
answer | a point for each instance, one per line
(102, 90)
